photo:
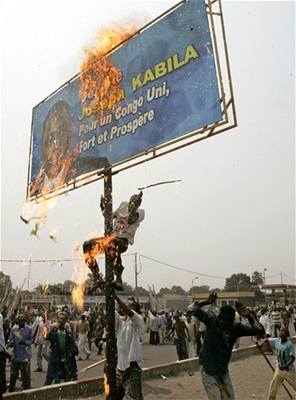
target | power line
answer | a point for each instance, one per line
(181, 268)
(48, 260)
(40, 261)
(272, 276)
(287, 276)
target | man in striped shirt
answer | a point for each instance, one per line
(276, 321)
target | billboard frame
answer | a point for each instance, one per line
(229, 119)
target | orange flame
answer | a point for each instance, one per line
(78, 295)
(106, 385)
(79, 276)
(45, 288)
(100, 80)
(101, 245)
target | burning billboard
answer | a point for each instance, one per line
(166, 88)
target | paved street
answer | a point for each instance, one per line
(153, 355)
(244, 374)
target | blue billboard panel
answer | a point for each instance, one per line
(168, 89)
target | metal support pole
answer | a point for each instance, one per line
(110, 308)
(136, 272)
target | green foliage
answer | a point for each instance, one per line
(141, 292)
(257, 278)
(238, 282)
(178, 290)
(200, 289)
(164, 291)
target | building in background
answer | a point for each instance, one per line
(280, 293)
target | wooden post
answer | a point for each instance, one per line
(110, 307)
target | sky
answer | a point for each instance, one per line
(234, 210)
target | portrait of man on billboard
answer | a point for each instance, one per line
(60, 163)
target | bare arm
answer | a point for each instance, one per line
(125, 308)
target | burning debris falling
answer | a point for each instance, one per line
(53, 235)
(37, 213)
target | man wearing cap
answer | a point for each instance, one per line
(130, 328)
(126, 220)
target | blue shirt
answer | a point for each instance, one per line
(284, 352)
(21, 340)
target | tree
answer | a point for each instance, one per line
(178, 290)
(164, 291)
(55, 289)
(257, 278)
(200, 289)
(127, 288)
(238, 282)
(142, 292)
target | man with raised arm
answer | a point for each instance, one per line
(220, 336)
(130, 328)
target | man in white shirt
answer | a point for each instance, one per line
(126, 220)
(265, 321)
(191, 341)
(154, 325)
(129, 328)
(162, 326)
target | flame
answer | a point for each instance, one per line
(106, 385)
(45, 288)
(78, 295)
(100, 79)
(79, 276)
(101, 245)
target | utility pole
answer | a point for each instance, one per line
(281, 278)
(264, 277)
(136, 271)
(110, 370)
(29, 274)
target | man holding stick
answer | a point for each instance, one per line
(285, 369)
(220, 336)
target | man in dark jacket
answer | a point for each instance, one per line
(61, 363)
(220, 336)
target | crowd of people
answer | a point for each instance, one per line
(63, 337)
